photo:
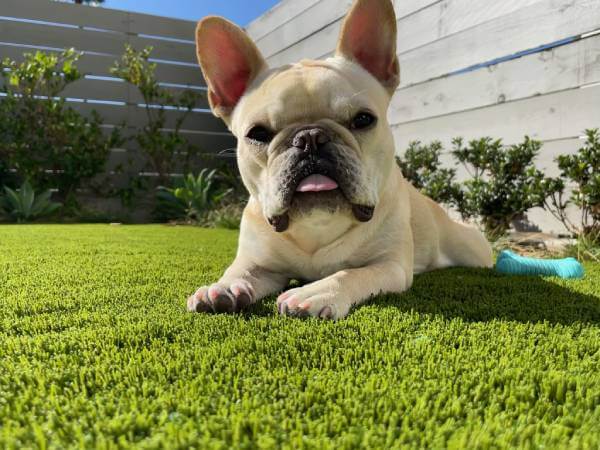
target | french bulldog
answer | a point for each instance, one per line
(328, 204)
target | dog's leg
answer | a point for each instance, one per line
(242, 284)
(333, 296)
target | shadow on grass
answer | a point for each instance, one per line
(484, 295)
(476, 295)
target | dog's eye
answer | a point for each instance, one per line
(260, 134)
(362, 120)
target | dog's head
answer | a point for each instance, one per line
(312, 134)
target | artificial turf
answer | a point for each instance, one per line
(97, 350)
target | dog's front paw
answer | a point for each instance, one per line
(313, 300)
(222, 298)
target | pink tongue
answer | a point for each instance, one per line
(316, 183)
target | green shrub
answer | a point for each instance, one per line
(227, 215)
(24, 204)
(163, 148)
(505, 182)
(583, 171)
(192, 198)
(421, 165)
(41, 137)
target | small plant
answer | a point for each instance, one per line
(163, 147)
(421, 166)
(41, 138)
(505, 182)
(192, 199)
(24, 204)
(586, 247)
(227, 216)
(583, 170)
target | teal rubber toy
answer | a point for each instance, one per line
(513, 264)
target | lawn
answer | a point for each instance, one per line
(97, 350)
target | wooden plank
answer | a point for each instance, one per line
(318, 16)
(136, 117)
(405, 8)
(561, 68)
(99, 65)
(119, 91)
(547, 117)
(102, 18)
(92, 41)
(542, 23)
(314, 18)
(505, 35)
(278, 16)
(448, 17)
(114, 90)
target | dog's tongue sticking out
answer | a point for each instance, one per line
(316, 183)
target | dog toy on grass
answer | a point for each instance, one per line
(513, 264)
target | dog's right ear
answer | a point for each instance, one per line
(229, 61)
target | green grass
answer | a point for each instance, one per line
(96, 350)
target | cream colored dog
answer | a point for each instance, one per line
(328, 203)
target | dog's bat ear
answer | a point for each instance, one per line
(368, 37)
(229, 60)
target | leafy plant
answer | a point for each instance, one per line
(24, 205)
(505, 182)
(43, 139)
(192, 199)
(583, 170)
(421, 165)
(163, 147)
(227, 216)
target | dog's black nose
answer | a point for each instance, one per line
(310, 139)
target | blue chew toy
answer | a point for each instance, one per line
(513, 264)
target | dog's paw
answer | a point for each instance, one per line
(312, 301)
(221, 298)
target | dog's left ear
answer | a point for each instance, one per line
(368, 37)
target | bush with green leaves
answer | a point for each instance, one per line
(504, 181)
(227, 215)
(421, 165)
(24, 204)
(582, 170)
(164, 148)
(192, 197)
(41, 137)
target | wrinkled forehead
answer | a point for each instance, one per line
(309, 91)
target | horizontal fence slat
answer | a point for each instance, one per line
(324, 13)
(278, 16)
(102, 18)
(447, 17)
(561, 68)
(136, 116)
(537, 24)
(205, 143)
(547, 117)
(118, 91)
(542, 23)
(317, 16)
(100, 65)
(92, 41)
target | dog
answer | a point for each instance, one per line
(328, 204)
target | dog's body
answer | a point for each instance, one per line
(328, 204)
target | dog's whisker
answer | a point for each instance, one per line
(228, 153)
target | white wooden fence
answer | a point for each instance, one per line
(101, 34)
(471, 68)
